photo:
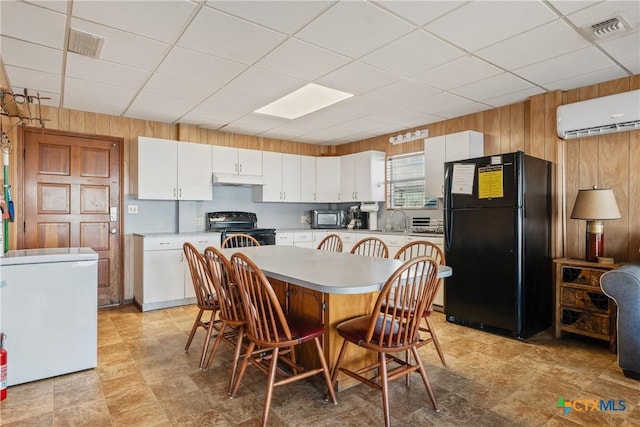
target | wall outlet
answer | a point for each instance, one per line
(304, 219)
(132, 209)
(199, 221)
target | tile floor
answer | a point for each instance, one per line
(144, 378)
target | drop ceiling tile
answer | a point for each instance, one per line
(359, 106)
(25, 21)
(357, 78)
(216, 33)
(302, 60)
(263, 86)
(625, 48)
(28, 55)
(344, 130)
(565, 66)
(459, 72)
(470, 108)
(312, 122)
(283, 16)
(401, 91)
(587, 79)
(354, 28)
(200, 67)
(253, 124)
(109, 73)
(150, 106)
(115, 96)
(52, 101)
(633, 66)
(55, 5)
(534, 46)
(164, 84)
(158, 20)
(501, 84)
(419, 12)
(203, 122)
(485, 23)
(225, 106)
(401, 115)
(91, 105)
(124, 48)
(434, 104)
(566, 7)
(401, 56)
(36, 81)
(514, 97)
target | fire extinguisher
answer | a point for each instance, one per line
(3, 368)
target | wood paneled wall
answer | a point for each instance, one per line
(607, 161)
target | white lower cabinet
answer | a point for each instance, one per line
(161, 273)
(284, 238)
(304, 239)
(349, 239)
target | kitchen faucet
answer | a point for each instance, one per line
(405, 222)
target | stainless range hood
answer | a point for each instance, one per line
(233, 179)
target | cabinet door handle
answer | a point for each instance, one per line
(235, 168)
(180, 194)
(174, 192)
(240, 167)
(284, 197)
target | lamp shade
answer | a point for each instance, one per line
(597, 203)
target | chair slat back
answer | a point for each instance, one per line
(421, 248)
(239, 240)
(371, 246)
(266, 323)
(224, 282)
(398, 310)
(331, 242)
(202, 282)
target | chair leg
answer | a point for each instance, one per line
(194, 329)
(425, 379)
(216, 344)
(270, 386)
(210, 329)
(434, 336)
(384, 382)
(325, 371)
(236, 358)
(243, 368)
(336, 368)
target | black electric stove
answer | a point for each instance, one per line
(232, 222)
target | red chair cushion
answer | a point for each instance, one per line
(304, 328)
(355, 330)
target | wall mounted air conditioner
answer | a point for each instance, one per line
(613, 113)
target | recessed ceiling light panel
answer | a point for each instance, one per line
(305, 100)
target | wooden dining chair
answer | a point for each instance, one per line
(206, 299)
(239, 240)
(274, 333)
(371, 246)
(231, 315)
(331, 242)
(388, 330)
(413, 250)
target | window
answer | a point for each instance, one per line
(405, 181)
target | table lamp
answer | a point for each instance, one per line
(595, 205)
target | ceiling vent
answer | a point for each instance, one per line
(608, 28)
(86, 44)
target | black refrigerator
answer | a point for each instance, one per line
(497, 213)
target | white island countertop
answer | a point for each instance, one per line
(323, 271)
(47, 255)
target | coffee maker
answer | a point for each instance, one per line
(358, 220)
(370, 211)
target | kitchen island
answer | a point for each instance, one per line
(326, 286)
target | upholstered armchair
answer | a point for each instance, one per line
(623, 286)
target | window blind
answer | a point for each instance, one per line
(405, 181)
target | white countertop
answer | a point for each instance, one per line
(47, 255)
(323, 271)
(361, 231)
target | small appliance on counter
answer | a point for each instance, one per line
(370, 210)
(334, 218)
(228, 223)
(358, 220)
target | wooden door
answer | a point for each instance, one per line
(72, 199)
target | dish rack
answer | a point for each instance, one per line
(427, 225)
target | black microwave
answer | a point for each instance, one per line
(328, 218)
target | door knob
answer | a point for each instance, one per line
(114, 231)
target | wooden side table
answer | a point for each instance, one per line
(581, 306)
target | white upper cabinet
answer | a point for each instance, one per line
(328, 179)
(307, 179)
(448, 148)
(171, 170)
(362, 177)
(236, 161)
(281, 173)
